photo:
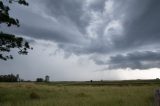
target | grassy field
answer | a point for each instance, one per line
(78, 94)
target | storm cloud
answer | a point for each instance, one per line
(136, 60)
(117, 34)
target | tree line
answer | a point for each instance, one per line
(9, 78)
(16, 78)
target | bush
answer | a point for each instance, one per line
(34, 95)
(82, 95)
(39, 80)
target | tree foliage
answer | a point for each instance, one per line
(10, 41)
(9, 78)
(39, 80)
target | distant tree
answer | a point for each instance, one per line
(39, 80)
(91, 81)
(8, 78)
(9, 41)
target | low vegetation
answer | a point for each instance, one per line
(65, 94)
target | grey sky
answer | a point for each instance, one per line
(103, 34)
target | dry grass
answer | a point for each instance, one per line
(19, 94)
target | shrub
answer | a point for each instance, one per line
(39, 80)
(34, 95)
(82, 95)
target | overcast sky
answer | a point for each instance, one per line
(87, 39)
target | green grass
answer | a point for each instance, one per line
(19, 94)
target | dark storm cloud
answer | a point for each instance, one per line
(52, 35)
(98, 5)
(136, 60)
(142, 26)
(97, 28)
(71, 9)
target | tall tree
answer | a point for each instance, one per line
(10, 41)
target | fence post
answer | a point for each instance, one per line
(157, 97)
